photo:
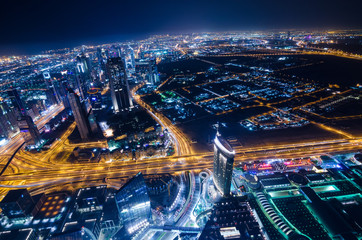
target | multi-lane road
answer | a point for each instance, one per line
(182, 143)
(44, 171)
(53, 175)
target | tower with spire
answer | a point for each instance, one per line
(223, 164)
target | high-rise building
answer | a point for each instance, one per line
(51, 99)
(63, 92)
(17, 204)
(79, 113)
(129, 58)
(51, 88)
(121, 97)
(83, 64)
(35, 109)
(223, 165)
(148, 71)
(134, 204)
(8, 124)
(154, 77)
(30, 112)
(92, 122)
(83, 75)
(30, 131)
(95, 98)
(17, 103)
(24, 121)
(99, 56)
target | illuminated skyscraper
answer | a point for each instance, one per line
(63, 92)
(148, 71)
(154, 78)
(25, 122)
(99, 56)
(116, 72)
(80, 114)
(130, 58)
(30, 131)
(134, 204)
(18, 104)
(83, 75)
(223, 165)
(92, 121)
(83, 64)
(50, 85)
(8, 124)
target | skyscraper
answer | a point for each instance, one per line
(52, 89)
(8, 124)
(50, 97)
(79, 113)
(129, 58)
(223, 165)
(154, 78)
(31, 133)
(25, 122)
(18, 104)
(134, 204)
(99, 56)
(148, 71)
(83, 75)
(92, 122)
(83, 64)
(116, 72)
(63, 92)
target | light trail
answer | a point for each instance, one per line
(182, 143)
(87, 172)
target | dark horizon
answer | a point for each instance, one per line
(38, 48)
(31, 27)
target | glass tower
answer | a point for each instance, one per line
(134, 204)
(223, 165)
(121, 97)
(79, 113)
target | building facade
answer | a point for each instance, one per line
(16, 102)
(8, 124)
(133, 203)
(17, 204)
(121, 97)
(80, 114)
(223, 165)
(83, 75)
(29, 129)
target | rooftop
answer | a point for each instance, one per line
(223, 143)
(13, 195)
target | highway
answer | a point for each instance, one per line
(181, 142)
(284, 52)
(55, 175)
(46, 171)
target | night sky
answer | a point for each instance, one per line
(31, 26)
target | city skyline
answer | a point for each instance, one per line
(26, 32)
(210, 134)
